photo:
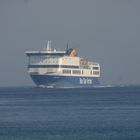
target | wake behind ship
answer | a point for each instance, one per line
(52, 68)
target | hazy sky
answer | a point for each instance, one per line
(106, 31)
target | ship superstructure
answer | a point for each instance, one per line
(52, 68)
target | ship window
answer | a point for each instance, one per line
(66, 71)
(95, 72)
(72, 67)
(43, 66)
(95, 68)
(76, 72)
(37, 58)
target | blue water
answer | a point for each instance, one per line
(107, 113)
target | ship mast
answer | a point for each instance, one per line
(48, 45)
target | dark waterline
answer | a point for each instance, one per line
(107, 113)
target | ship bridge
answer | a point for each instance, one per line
(35, 57)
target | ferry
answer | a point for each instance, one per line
(51, 68)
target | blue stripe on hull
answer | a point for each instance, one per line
(64, 81)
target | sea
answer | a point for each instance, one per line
(99, 113)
